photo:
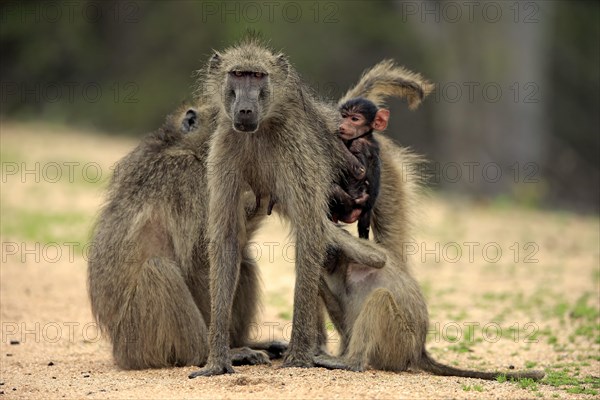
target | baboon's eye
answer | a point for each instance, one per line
(238, 73)
(259, 74)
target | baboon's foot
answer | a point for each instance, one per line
(275, 349)
(248, 356)
(329, 362)
(322, 350)
(290, 361)
(213, 369)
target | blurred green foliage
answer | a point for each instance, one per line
(122, 66)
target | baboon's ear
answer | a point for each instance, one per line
(190, 121)
(381, 119)
(215, 61)
(282, 63)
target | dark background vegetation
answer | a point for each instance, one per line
(517, 82)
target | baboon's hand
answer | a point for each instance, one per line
(213, 370)
(359, 172)
(329, 362)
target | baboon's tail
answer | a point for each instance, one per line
(430, 365)
(386, 79)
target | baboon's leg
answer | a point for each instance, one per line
(321, 328)
(310, 253)
(226, 227)
(245, 303)
(380, 337)
(245, 306)
(336, 313)
(364, 224)
(160, 325)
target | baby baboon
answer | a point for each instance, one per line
(357, 197)
(381, 313)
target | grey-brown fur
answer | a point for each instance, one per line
(269, 136)
(148, 266)
(381, 313)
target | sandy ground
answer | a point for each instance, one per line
(534, 304)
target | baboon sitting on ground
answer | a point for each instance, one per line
(381, 314)
(148, 268)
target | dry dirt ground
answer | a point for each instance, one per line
(507, 287)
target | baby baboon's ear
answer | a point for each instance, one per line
(283, 64)
(214, 62)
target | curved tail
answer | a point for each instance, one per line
(386, 79)
(430, 365)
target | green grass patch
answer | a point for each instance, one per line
(475, 388)
(527, 383)
(11, 156)
(582, 390)
(43, 227)
(560, 309)
(279, 301)
(464, 346)
(530, 364)
(571, 383)
(581, 310)
(285, 315)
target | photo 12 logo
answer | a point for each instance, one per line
(51, 12)
(251, 12)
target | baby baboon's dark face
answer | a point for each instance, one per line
(246, 94)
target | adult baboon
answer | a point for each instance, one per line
(270, 137)
(148, 269)
(381, 314)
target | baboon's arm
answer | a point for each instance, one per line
(357, 250)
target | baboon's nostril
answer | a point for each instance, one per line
(246, 112)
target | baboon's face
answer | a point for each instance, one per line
(245, 96)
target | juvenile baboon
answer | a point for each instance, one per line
(357, 197)
(381, 314)
(269, 136)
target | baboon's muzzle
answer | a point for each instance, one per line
(246, 118)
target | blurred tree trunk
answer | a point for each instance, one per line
(490, 94)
